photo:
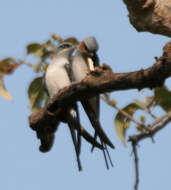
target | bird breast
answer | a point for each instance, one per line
(79, 68)
(56, 77)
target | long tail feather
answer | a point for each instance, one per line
(72, 127)
(90, 139)
(83, 132)
(95, 137)
(104, 154)
(95, 123)
(111, 163)
(79, 130)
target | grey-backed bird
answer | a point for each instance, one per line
(57, 76)
(83, 62)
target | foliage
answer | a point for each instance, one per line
(124, 116)
(162, 97)
(38, 97)
(42, 53)
(122, 122)
(7, 66)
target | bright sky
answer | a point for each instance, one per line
(22, 166)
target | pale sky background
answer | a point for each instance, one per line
(22, 166)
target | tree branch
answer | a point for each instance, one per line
(150, 15)
(99, 81)
(151, 130)
(134, 149)
(135, 139)
(109, 102)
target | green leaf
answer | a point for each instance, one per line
(140, 104)
(37, 67)
(119, 127)
(57, 38)
(3, 92)
(142, 119)
(44, 67)
(8, 60)
(162, 97)
(121, 122)
(33, 48)
(8, 65)
(72, 40)
(39, 52)
(46, 99)
(48, 43)
(47, 54)
(37, 94)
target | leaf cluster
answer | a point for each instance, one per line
(7, 67)
(161, 97)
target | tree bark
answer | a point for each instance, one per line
(150, 15)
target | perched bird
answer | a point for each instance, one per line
(57, 76)
(83, 62)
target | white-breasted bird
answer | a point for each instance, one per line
(57, 76)
(83, 62)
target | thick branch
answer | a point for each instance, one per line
(150, 15)
(100, 81)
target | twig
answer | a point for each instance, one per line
(24, 63)
(109, 102)
(146, 100)
(134, 149)
(135, 139)
(150, 113)
(151, 131)
(158, 120)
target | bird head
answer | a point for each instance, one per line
(65, 49)
(89, 46)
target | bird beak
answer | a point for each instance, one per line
(91, 64)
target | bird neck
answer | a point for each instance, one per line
(83, 55)
(63, 54)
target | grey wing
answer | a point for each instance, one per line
(98, 105)
(95, 104)
(69, 71)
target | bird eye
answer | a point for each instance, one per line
(68, 45)
(65, 46)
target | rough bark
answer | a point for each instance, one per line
(150, 15)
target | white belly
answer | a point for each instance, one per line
(56, 78)
(79, 69)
